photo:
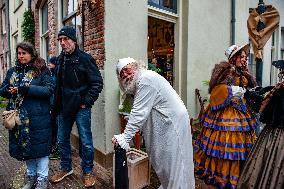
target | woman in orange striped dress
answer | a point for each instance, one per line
(229, 125)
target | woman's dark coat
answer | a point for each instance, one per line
(37, 103)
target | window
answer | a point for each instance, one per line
(7, 63)
(17, 4)
(3, 16)
(255, 68)
(69, 7)
(252, 64)
(69, 17)
(15, 40)
(44, 17)
(282, 43)
(169, 5)
(1, 68)
(273, 70)
(14, 43)
(44, 31)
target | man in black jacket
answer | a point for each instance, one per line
(78, 84)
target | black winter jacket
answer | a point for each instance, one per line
(78, 81)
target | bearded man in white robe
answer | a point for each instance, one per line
(161, 115)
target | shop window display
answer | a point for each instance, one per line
(161, 47)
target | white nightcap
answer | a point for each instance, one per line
(122, 63)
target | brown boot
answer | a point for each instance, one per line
(89, 180)
(59, 176)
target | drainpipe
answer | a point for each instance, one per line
(233, 21)
(8, 33)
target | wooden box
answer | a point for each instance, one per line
(138, 169)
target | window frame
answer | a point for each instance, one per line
(17, 5)
(3, 20)
(44, 35)
(69, 17)
(282, 43)
(15, 39)
(2, 68)
(160, 6)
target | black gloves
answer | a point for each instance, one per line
(255, 97)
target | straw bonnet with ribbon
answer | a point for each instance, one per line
(232, 50)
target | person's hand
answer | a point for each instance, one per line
(114, 141)
(50, 66)
(13, 90)
(82, 106)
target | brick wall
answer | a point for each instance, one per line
(52, 26)
(93, 29)
(37, 31)
(94, 42)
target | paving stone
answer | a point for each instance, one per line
(12, 172)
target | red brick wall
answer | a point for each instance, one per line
(37, 31)
(53, 48)
(35, 8)
(94, 32)
(52, 26)
(93, 26)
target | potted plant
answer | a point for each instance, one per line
(124, 112)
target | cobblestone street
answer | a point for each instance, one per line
(12, 172)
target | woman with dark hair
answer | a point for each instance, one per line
(28, 86)
(228, 131)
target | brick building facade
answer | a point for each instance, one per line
(90, 34)
(91, 15)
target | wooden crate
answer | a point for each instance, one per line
(138, 169)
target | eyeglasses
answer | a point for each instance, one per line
(63, 39)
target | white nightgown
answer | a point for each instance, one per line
(161, 115)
